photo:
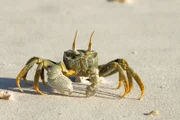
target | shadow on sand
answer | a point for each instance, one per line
(120, 1)
(79, 89)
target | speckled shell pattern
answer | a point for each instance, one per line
(80, 62)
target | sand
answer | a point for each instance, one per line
(144, 32)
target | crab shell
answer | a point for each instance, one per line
(80, 61)
(58, 81)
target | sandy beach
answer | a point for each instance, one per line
(144, 32)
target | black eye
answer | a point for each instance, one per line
(72, 54)
(73, 57)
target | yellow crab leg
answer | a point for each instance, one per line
(120, 83)
(138, 80)
(130, 81)
(24, 72)
(36, 78)
(66, 72)
(20, 75)
(42, 77)
(112, 68)
(29, 61)
(69, 73)
(122, 78)
(24, 78)
(28, 66)
(130, 74)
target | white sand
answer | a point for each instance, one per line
(145, 33)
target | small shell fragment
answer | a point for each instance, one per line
(123, 1)
(4, 95)
(153, 113)
(134, 52)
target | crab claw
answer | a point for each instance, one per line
(90, 91)
(58, 81)
(95, 80)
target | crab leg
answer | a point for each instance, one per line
(42, 77)
(107, 70)
(29, 65)
(24, 78)
(40, 73)
(130, 74)
(111, 68)
(138, 80)
(25, 70)
(123, 79)
(129, 80)
(66, 72)
(36, 78)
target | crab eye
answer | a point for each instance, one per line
(72, 55)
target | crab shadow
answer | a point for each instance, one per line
(120, 1)
(10, 84)
(78, 92)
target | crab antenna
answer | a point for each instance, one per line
(90, 43)
(74, 43)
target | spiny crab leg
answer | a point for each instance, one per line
(24, 72)
(24, 78)
(36, 78)
(28, 66)
(129, 76)
(112, 68)
(123, 79)
(138, 80)
(42, 77)
(130, 73)
(56, 72)
(119, 65)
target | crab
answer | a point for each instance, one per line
(80, 63)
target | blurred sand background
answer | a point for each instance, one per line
(146, 33)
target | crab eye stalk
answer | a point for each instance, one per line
(90, 43)
(74, 43)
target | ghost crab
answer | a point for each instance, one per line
(79, 63)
